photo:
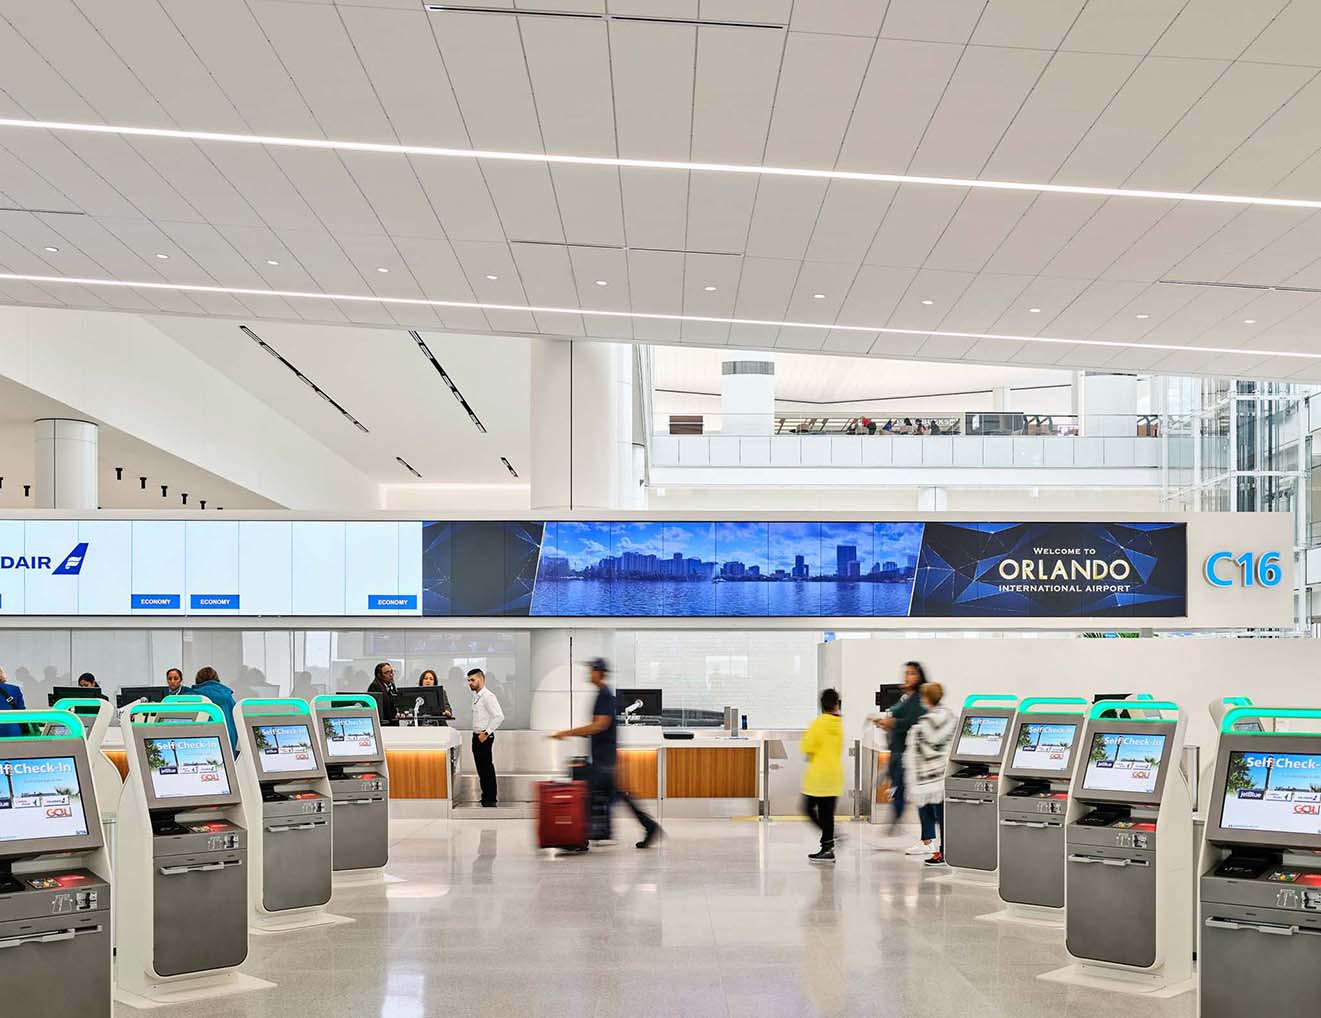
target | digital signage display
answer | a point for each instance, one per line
(1124, 762)
(181, 768)
(981, 736)
(568, 569)
(282, 749)
(1044, 746)
(1275, 792)
(41, 798)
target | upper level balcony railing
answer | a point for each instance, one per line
(998, 423)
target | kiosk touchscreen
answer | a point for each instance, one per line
(1129, 853)
(96, 714)
(55, 936)
(972, 783)
(354, 752)
(1260, 891)
(287, 802)
(1034, 803)
(182, 855)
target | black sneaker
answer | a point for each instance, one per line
(653, 835)
(575, 850)
(825, 855)
(938, 859)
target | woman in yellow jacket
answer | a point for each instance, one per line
(823, 782)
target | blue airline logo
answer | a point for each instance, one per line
(71, 566)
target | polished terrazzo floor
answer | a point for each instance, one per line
(726, 919)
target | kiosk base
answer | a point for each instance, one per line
(361, 878)
(1157, 985)
(1027, 915)
(187, 991)
(268, 924)
(961, 877)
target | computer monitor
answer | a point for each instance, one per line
(1125, 761)
(981, 736)
(351, 738)
(283, 747)
(73, 692)
(1044, 747)
(888, 695)
(1113, 715)
(132, 694)
(44, 787)
(435, 702)
(650, 698)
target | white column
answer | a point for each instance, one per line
(582, 426)
(1110, 405)
(561, 695)
(66, 460)
(747, 396)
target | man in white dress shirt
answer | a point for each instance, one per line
(486, 718)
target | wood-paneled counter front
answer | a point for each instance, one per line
(708, 772)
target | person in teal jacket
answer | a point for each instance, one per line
(208, 684)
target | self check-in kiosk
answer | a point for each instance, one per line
(96, 714)
(1129, 853)
(55, 939)
(354, 753)
(287, 802)
(1034, 803)
(972, 783)
(1260, 904)
(182, 853)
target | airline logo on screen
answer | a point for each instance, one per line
(71, 565)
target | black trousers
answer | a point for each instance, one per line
(604, 794)
(821, 811)
(481, 757)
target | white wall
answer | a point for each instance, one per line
(1190, 671)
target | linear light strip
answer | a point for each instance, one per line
(653, 164)
(407, 466)
(303, 378)
(444, 376)
(653, 316)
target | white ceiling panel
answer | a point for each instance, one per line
(1121, 26)
(1044, 230)
(913, 224)
(391, 189)
(978, 229)
(1290, 38)
(785, 217)
(1240, 238)
(734, 91)
(720, 211)
(457, 191)
(933, 20)
(839, 17)
(569, 64)
(819, 81)
(849, 217)
(547, 276)
(655, 208)
(873, 294)
(591, 204)
(657, 286)
(1217, 29)
(1032, 24)
(1115, 228)
(652, 67)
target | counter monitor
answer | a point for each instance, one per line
(350, 738)
(41, 798)
(982, 735)
(1127, 762)
(186, 768)
(1044, 746)
(284, 749)
(1279, 793)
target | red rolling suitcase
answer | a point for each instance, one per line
(562, 814)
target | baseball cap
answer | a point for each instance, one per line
(598, 664)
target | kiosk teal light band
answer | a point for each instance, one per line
(333, 700)
(294, 705)
(1236, 701)
(185, 698)
(1239, 713)
(70, 702)
(1100, 708)
(72, 723)
(208, 708)
(999, 700)
(1058, 701)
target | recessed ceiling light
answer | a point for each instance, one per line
(271, 261)
(602, 282)
(928, 302)
(162, 257)
(1034, 311)
(652, 316)
(1249, 321)
(381, 268)
(709, 289)
(818, 296)
(492, 276)
(1144, 316)
(52, 250)
(658, 164)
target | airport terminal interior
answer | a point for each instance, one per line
(732, 508)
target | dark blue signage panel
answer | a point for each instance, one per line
(792, 570)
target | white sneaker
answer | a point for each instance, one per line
(921, 848)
